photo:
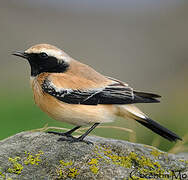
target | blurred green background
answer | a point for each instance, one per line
(141, 42)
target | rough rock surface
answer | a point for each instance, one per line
(38, 155)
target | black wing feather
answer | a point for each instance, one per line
(115, 93)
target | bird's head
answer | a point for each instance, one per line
(45, 58)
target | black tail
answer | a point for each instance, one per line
(157, 128)
(142, 97)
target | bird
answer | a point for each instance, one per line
(72, 92)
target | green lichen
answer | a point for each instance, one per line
(66, 169)
(93, 165)
(129, 161)
(63, 163)
(93, 162)
(6, 178)
(2, 175)
(142, 164)
(185, 161)
(18, 163)
(16, 166)
(73, 172)
(155, 153)
(94, 169)
(33, 159)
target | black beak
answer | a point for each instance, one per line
(20, 54)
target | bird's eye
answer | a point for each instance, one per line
(43, 55)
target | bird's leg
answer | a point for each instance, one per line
(67, 134)
(88, 131)
(81, 138)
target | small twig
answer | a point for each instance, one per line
(46, 128)
(113, 127)
(132, 136)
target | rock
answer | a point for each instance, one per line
(41, 156)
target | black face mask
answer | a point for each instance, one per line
(43, 63)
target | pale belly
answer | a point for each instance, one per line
(73, 113)
(81, 114)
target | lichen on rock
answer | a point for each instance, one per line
(40, 155)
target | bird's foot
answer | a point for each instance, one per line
(72, 139)
(60, 134)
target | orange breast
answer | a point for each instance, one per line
(71, 113)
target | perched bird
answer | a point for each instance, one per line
(72, 92)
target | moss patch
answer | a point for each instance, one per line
(143, 165)
(66, 169)
(156, 153)
(33, 159)
(93, 163)
(17, 163)
(2, 175)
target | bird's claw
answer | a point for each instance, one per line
(74, 140)
(60, 134)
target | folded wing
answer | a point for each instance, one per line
(114, 93)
